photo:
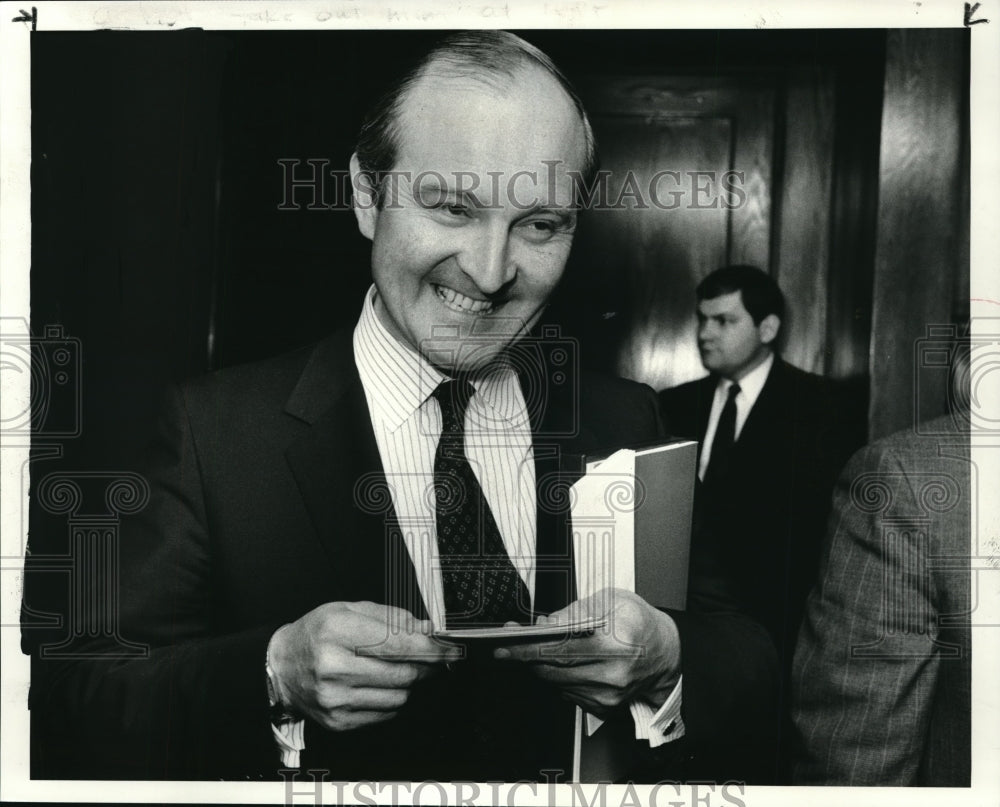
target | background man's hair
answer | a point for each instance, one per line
(760, 293)
(493, 57)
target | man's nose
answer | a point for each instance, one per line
(487, 258)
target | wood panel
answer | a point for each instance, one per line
(657, 256)
(643, 262)
(853, 215)
(919, 224)
(802, 214)
(753, 155)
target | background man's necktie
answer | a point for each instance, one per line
(725, 438)
(481, 585)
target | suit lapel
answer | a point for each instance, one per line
(704, 392)
(759, 423)
(339, 473)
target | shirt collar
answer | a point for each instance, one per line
(752, 383)
(398, 380)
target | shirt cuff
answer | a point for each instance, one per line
(291, 739)
(662, 726)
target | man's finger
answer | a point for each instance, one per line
(410, 647)
(375, 699)
(379, 673)
(401, 620)
(567, 653)
(600, 603)
(346, 721)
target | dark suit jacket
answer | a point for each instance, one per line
(770, 512)
(881, 684)
(268, 500)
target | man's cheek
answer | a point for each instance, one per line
(545, 265)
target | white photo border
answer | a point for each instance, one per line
(16, 21)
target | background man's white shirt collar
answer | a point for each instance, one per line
(751, 386)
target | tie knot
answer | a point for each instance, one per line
(734, 390)
(453, 397)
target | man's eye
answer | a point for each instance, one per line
(539, 229)
(456, 210)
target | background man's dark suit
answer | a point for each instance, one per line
(769, 513)
(882, 679)
(268, 500)
(775, 502)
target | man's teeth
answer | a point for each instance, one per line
(459, 302)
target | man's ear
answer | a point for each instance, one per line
(768, 328)
(365, 199)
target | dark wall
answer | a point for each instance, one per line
(126, 144)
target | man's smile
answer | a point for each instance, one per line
(461, 304)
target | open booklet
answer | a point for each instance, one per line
(631, 521)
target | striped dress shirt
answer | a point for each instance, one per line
(398, 384)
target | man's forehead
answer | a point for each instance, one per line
(729, 303)
(478, 123)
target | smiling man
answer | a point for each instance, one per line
(314, 518)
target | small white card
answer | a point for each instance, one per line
(523, 633)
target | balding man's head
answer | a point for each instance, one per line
(481, 149)
(493, 59)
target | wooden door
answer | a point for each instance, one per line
(689, 164)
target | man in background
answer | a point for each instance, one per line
(772, 441)
(881, 685)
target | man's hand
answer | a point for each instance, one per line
(353, 664)
(636, 656)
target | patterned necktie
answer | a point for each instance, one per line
(725, 438)
(481, 586)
